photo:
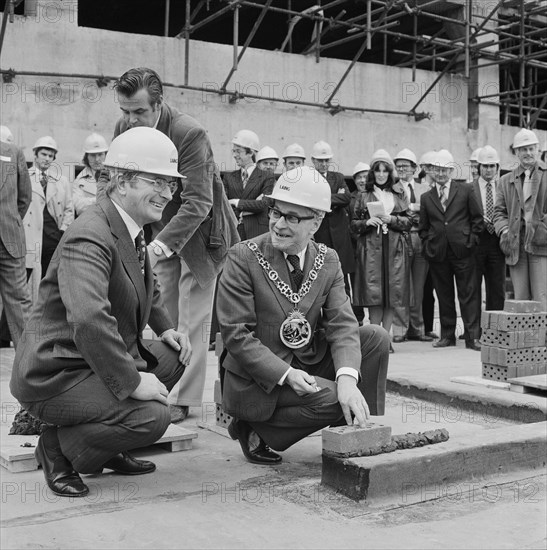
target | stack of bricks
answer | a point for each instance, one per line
(513, 341)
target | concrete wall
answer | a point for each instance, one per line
(70, 107)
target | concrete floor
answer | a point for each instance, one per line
(209, 497)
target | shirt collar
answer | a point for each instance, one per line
(446, 186)
(129, 222)
(301, 256)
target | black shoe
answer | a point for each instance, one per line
(399, 339)
(262, 454)
(58, 471)
(126, 465)
(421, 338)
(473, 344)
(462, 337)
(444, 343)
(432, 334)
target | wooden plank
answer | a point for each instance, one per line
(538, 381)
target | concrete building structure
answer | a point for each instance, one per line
(57, 80)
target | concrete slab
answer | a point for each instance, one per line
(481, 382)
(398, 477)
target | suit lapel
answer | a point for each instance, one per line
(435, 198)
(451, 194)
(477, 190)
(252, 182)
(128, 254)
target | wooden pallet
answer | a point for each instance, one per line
(530, 384)
(17, 456)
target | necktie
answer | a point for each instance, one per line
(442, 196)
(489, 207)
(527, 185)
(43, 180)
(412, 195)
(244, 177)
(297, 275)
(140, 245)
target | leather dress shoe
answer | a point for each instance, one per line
(444, 343)
(127, 465)
(462, 337)
(262, 454)
(398, 339)
(58, 471)
(432, 334)
(421, 338)
(473, 344)
(178, 413)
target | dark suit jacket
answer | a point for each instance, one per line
(334, 230)
(92, 307)
(15, 196)
(250, 311)
(186, 220)
(458, 227)
(254, 212)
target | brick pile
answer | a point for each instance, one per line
(513, 341)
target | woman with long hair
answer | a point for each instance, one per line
(381, 222)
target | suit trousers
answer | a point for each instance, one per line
(490, 262)
(190, 308)
(409, 320)
(296, 417)
(94, 426)
(443, 275)
(529, 276)
(16, 300)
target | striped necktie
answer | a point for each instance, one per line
(443, 197)
(244, 177)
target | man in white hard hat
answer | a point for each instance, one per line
(334, 230)
(521, 222)
(296, 360)
(267, 159)
(450, 225)
(15, 197)
(190, 242)
(408, 322)
(489, 258)
(474, 166)
(56, 195)
(83, 366)
(247, 186)
(84, 188)
(293, 156)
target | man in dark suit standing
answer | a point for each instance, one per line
(490, 260)
(15, 196)
(82, 365)
(190, 242)
(247, 186)
(334, 230)
(296, 360)
(450, 225)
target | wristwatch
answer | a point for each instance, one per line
(158, 251)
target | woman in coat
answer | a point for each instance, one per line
(381, 251)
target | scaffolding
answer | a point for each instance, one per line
(458, 36)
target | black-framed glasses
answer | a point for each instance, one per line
(291, 219)
(160, 184)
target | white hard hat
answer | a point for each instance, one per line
(5, 135)
(321, 150)
(488, 155)
(304, 186)
(95, 143)
(360, 167)
(144, 149)
(443, 159)
(406, 154)
(46, 142)
(248, 139)
(294, 150)
(266, 153)
(427, 158)
(475, 154)
(381, 155)
(524, 137)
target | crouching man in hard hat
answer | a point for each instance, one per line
(296, 360)
(520, 220)
(82, 365)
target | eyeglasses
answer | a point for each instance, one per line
(291, 219)
(160, 185)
